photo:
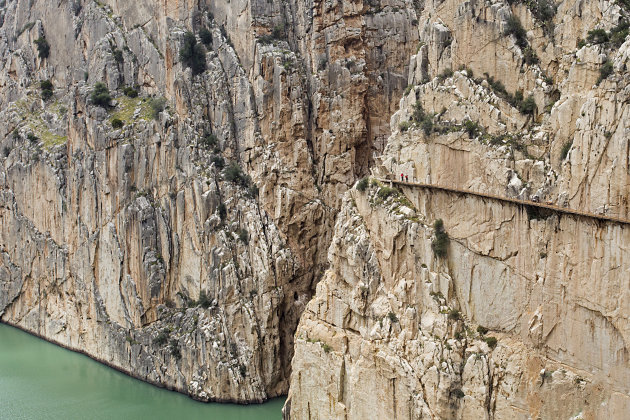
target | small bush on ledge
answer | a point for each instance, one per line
(482, 330)
(130, 92)
(100, 95)
(43, 47)
(192, 54)
(403, 126)
(491, 341)
(385, 192)
(363, 184)
(46, 88)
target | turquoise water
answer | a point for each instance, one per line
(39, 380)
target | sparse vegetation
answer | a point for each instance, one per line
(427, 125)
(206, 36)
(454, 314)
(363, 184)
(385, 192)
(420, 117)
(605, 70)
(209, 141)
(597, 36)
(43, 47)
(218, 161)
(566, 147)
(392, 317)
(440, 242)
(174, 349)
(243, 235)
(157, 105)
(446, 73)
(204, 301)
(403, 126)
(619, 33)
(117, 123)
(482, 330)
(529, 56)
(514, 27)
(542, 10)
(162, 337)
(458, 393)
(614, 38)
(234, 173)
(518, 101)
(118, 55)
(278, 33)
(527, 106)
(46, 88)
(130, 92)
(472, 128)
(222, 211)
(490, 341)
(100, 95)
(192, 54)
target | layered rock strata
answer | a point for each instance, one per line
(524, 314)
(177, 234)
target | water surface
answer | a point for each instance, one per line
(39, 380)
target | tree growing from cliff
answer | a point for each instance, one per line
(363, 184)
(100, 95)
(43, 47)
(606, 70)
(192, 54)
(46, 88)
(157, 105)
(440, 242)
(513, 27)
(206, 36)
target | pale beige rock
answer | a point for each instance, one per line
(377, 340)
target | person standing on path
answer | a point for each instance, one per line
(406, 178)
(402, 177)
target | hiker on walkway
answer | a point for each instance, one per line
(402, 177)
(406, 178)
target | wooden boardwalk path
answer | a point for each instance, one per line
(527, 203)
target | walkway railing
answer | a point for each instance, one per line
(526, 203)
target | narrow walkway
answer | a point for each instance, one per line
(526, 203)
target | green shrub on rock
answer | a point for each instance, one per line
(46, 88)
(130, 92)
(440, 242)
(192, 54)
(100, 95)
(157, 105)
(363, 184)
(206, 36)
(43, 47)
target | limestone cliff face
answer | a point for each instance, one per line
(183, 246)
(392, 329)
(526, 314)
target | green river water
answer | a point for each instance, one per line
(39, 380)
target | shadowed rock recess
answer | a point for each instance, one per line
(178, 200)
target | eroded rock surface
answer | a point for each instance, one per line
(178, 234)
(525, 314)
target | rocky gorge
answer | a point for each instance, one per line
(193, 192)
